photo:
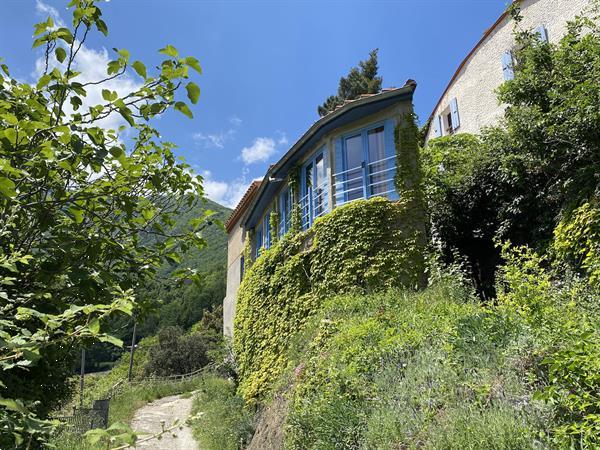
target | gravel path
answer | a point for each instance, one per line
(148, 420)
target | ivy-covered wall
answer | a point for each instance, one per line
(364, 246)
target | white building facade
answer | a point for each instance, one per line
(469, 102)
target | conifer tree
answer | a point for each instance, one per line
(361, 80)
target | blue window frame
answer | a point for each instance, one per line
(314, 190)
(285, 204)
(258, 242)
(267, 230)
(365, 163)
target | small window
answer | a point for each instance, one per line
(242, 266)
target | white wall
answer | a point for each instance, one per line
(475, 84)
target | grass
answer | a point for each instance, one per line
(225, 424)
(432, 369)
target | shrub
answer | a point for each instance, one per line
(177, 354)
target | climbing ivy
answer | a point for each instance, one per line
(363, 246)
(274, 223)
(409, 185)
(296, 212)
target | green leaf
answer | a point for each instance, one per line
(111, 340)
(77, 214)
(140, 68)
(183, 108)
(193, 92)
(170, 51)
(13, 405)
(101, 26)
(109, 96)
(94, 325)
(7, 187)
(60, 53)
(193, 63)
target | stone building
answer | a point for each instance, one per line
(469, 102)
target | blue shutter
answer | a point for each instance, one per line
(455, 116)
(437, 126)
(542, 33)
(338, 168)
(507, 65)
(390, 150)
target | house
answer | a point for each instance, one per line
(469, 102)
(346, 155)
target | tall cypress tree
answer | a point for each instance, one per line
(361, 80)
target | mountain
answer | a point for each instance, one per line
(180, 305)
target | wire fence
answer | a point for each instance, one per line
(85, 419)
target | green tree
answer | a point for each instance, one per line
(360, 80)
(84, 219)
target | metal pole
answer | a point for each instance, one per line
(131, 353)
(82, 375)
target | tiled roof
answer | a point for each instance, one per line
(242, 205)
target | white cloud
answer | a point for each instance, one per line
(43, 9)
(92, 64)
(214, 140)
(282, 138)
(225, 193)
(218, 140)
(260, 151)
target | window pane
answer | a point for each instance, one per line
(319, 190)
(377, 173)
(305, 202)
(354, 159)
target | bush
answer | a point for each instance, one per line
(177, 354)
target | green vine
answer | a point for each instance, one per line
(360, 247)
(248, 260)
(274, 223)
(409, 185)
(295, 209)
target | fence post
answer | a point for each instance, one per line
(82, 374)
(132, 350)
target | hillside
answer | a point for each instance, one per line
(177, 304)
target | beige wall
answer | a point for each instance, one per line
(235, 248)
(482, 74)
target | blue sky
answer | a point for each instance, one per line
(266, 64)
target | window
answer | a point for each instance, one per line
(508, 65)
(314, 191)
(267, 230)
(242, 266)
(378, 174)
(285, 202)
(448, 121)
(258, 242)
(354, 158)
(319, 189)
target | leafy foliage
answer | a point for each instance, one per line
(77, 209)
(224, 424)
(515, 181)
(360, 247)
(361, 80)
(577, 240)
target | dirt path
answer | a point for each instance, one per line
(148, 420)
